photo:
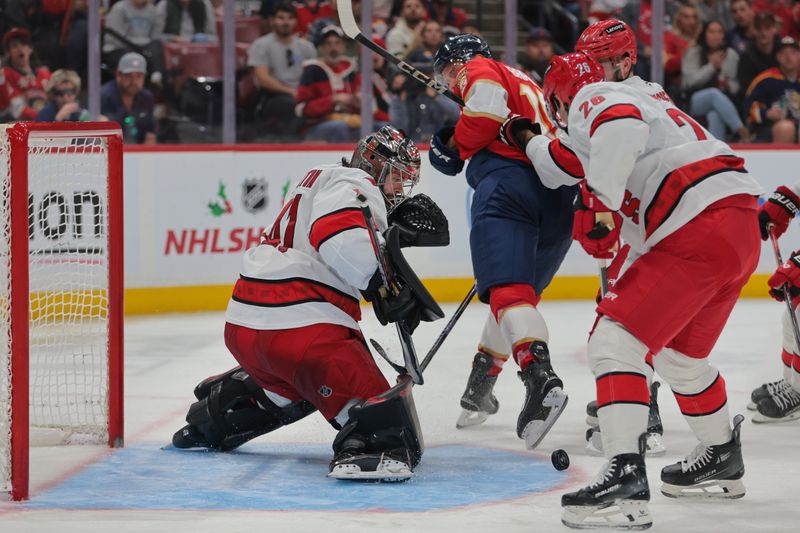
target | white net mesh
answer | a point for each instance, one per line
(68, 278)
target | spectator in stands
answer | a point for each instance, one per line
(432, 39)
(63, 89)
(125, 100)
(186, 21)
(683, 34)
(24, 84)
(773, 99)
(132, 25)
(327, 96)
(443, 12)
(718, 10)
(418, 110)
(782, 11)
(277, 61)
(709, 78)
(744, 30)
(760, 54)
(310, 10)
(538, 52)
(406, 35)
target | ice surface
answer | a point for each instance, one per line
(477, 479)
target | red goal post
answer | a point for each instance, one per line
(61, 283)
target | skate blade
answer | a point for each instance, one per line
(535, 430)
(628, 514)
(751, 406)
(758, 418)
(388, 471)
(654, 448)
(717, 489)
(469, 418)
(592, 421)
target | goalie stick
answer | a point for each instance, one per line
(406, 343)
(348, 20)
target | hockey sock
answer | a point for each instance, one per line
(617, 359)
(494, 344)
(787, 358)
(514, 308)
(699, 389)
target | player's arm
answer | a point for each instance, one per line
(616, 134)
(555, 162)
(485, 110)
(338, 230)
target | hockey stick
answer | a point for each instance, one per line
(439, 340)
(787, 297)
(603, 264)
(350, 27)
(406, 343)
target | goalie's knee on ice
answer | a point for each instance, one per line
(232, 409)
(384, 423)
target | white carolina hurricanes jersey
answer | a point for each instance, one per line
(312, 262)
(556, 163)
(650, 161)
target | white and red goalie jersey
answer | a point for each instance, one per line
(312, 262)
(555, 161)
(650, 161)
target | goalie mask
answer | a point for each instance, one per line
(392, 159)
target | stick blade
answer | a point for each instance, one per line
(347, 18)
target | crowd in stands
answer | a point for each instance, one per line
(731, 64)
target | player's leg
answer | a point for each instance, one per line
(779, 401)
(619, 495)
(478, 400)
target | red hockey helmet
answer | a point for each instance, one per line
(608, 40)
(566, 74)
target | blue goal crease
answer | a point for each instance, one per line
(292, 477)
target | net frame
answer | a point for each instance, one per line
(18, 139)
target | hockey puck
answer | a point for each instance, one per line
(560, 459)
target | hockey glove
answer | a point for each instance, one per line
(614, 269)
(778, 210)
(512, 132)
(787, 274)
(599, 239)
(389, 308)
(443, 158)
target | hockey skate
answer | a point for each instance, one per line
(616, 498)
(351, 463)
(654, 446)
(765, 391)
(709, 472)
(782, 406)
(478, 401)
(545, 399)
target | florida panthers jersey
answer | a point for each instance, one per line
(650, 161)
(491, 92)
(554, 160)
(312, 262)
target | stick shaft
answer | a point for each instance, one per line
(787, 297)
(448, 328)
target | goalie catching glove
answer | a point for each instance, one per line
(421, 222)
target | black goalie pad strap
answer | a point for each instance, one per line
(421, 222)
(427, 306)
(387, 422)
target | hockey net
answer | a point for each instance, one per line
(60, 291)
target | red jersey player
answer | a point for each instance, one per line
(686, 205)
(25, 85)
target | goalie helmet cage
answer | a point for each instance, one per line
(61, 281)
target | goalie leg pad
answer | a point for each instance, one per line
(231, 410)
(384, 424)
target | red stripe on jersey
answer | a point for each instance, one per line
(292, 291)
(706, 402)
(622, 387)
(796, 364)
(565, 159)
(334, 223)
(787, 357)
(615, 112)
(680, 180)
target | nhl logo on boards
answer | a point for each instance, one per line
(254, 194)
(325, 391)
